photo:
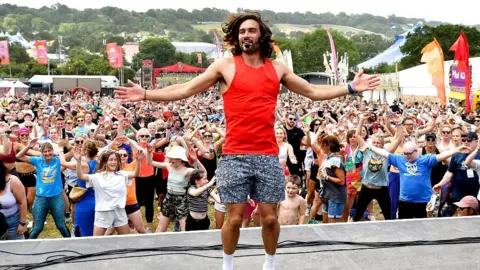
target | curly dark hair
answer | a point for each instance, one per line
(232, 28)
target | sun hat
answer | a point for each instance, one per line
(177, 152)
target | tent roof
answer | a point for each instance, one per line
(19, 84)
(178, 68)
(5, 84)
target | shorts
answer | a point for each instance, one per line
(261, 176)
(308, 163)
(333, 208)
(130, 209)
(28, 179)
(113, 218)
(314, 172)
(354, 181)
(220, 207)
(175, 207)
(197, 224)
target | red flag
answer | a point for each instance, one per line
(115, 55)
(4, 56)
(41, 52)
(462, 53)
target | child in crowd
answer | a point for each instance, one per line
(198, 193)
(291, 211)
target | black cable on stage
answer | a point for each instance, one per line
(177, 250)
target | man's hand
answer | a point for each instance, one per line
(363, 82)
(132, 93)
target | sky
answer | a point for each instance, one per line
(444, 11)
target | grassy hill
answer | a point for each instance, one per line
(287, 28)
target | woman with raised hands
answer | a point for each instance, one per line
(110, 185)
(175, 205)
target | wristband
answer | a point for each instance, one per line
(350, 89)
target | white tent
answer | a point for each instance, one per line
(5, 86)
(417, 81)
(18, 88)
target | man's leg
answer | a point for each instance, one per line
(231, 228)
(270, 227)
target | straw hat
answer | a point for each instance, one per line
(177, 152)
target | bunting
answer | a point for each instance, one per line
(4, 55)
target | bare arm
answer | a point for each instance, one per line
(18, 191)
(298, 85)
(195, 192)
(446, 154)
(471, 157)
(446, 178)
(340, 177)
(302, 208)
(382, 152)
(80, 174)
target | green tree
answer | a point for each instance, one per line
(158, 49)
(99, 66)
(446, 36)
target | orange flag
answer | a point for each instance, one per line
(432, 54)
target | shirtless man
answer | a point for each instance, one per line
(291, 211)
(249, 83)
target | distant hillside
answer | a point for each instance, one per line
(88, 28)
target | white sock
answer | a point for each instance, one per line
(227, 262)
(269, 262)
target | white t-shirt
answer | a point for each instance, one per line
(91, 126)
(110, 189)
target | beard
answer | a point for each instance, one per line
(249, 46)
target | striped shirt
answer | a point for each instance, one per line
(198, 204)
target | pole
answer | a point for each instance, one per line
(48, 66)
(10, 69)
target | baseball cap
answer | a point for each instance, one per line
(471, 136)
(24, 130)
(468, 201)
(12, 124)
(431, 135)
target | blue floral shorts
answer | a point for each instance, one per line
(259, 176)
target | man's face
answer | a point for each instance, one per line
(409, 125)
(290, 120)
(471, 144)
(248, 36)
(177, 124)
(88, 118)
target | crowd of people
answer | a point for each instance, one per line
(93, 163)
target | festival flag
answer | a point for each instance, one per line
(199, 58)
(278, 52)
(41, 52)
(334, 55)
(462, 53)
(432, 54)
(219, 45)
(4, 56)
(115, 55)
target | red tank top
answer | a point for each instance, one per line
(249, 106)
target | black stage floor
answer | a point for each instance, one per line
(346, 255)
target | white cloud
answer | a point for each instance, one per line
(427, 9)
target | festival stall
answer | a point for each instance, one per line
(176, 73)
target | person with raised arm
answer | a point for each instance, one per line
(249, 83)
(415, 170)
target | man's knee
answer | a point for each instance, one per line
(235, 221)
(269, 221)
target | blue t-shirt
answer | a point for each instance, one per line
(462, 184)
(49, 179)
(415, 183)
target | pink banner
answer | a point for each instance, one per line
(41, 51)
(4, 56)
(334, 55)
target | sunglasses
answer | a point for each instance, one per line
(291, 119)
(446, 132)
(207, 135)
(29, 127)
(79, 121)
(467, 140)
(411, 153)
(79, 142)
(124, 155)
(430, 139)
(145, 136)
(69, 123)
